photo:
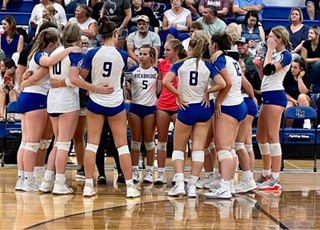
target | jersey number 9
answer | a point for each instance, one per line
(107, 66)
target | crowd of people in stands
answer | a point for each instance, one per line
(204, 66)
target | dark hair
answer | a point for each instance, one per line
(9, 62)
(106, 28)
(195, 25)
(12, 24)
(213, 10)
(301, 63)
(251, 13)
(223, 40)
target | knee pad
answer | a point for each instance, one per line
(224, 154)
(123, 150)
(63, 145)
(275, 149)
(135, 145)
(44, 144)
(264, 148)
(249, 147)
(207, 151)
(92, 147)
(32, 146)
(22, 145)
(177, 155)
(149, 145)
(238, 146)
(211, 146)
(233, 153)
(197, 156)
(162, 146)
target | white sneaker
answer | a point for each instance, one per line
(132, 192)
(232, 189)
(46, 186)
(135, 176)
(245, 186)
(161, 179)
(212, 183)
(200, 183)
(218, 193)
(19, 184)
(30, 186)
(191, 191)
(88, 191)
(177, 190)
(148, 178)
(307, 124)
(61, 189)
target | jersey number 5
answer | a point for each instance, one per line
(193, 80)
(107, 66)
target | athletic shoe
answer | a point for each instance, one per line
(61, 189)
(148, 178)
(261, 179)
(191, 191)
(80, 176)
(135, 176)
(132, 192)
(212, 183)
(206, 180)
(232, 189)
(30, 186)
(177, 190)
(270, 184)
(161, 179)
(121, 179)
(245, 186)
(46, 186)
(88, 191)
(218, 193)
(102, 179)
(19, 184)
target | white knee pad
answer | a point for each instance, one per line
(149, 145)
(177, 155)
(275, 149)
(135, 145)
(233, 153)
(224, 154)
(162, 146)
(238, 146)
(249, 147)
(44, 144)
(31, 146)
(22, 145)
(123, 150)
(92, 147)
(264, 148)
(63, 145)
(197, 156)
(211, 146)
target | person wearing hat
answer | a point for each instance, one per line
(141, 37)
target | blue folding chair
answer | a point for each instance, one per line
(10, 130)
(300, 136)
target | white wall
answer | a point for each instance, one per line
(284, 2)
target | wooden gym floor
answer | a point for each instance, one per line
(296, 207)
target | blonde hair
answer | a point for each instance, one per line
(152, 52)
(233, 31)
(282, 33)
(71, 34)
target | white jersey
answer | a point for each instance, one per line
(274, 82)
(193, 80)
(144, 85)
(234, 96)
(106, 64)
(42, 86)
(63, 99)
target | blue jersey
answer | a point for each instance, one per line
(193, 80)
(106, 64)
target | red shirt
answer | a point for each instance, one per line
(167, 100)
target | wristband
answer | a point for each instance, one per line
(68, 83)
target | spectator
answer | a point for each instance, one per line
(4, 5)
(251, 29)
(241, 7)
(221, 5)
(312, 7)
(11, 40)
(140, 37)
(119, 12)
(176, 20)
(210, 21)
(194, 27)
(71, 5)
(296, 84)
(297, 30)
(9, 86)
(88, 25)
(138, 9)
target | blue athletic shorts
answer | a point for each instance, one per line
(107, 111)
(141, 110)
(251, 106)
(277, 97)
(239, 112)
(194, 113)
(31, 101)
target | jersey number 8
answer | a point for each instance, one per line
(193, 80)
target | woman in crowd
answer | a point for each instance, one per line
(167, 107)
(11, 40)
(194, 112)
(142, 113)
(276, 65)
